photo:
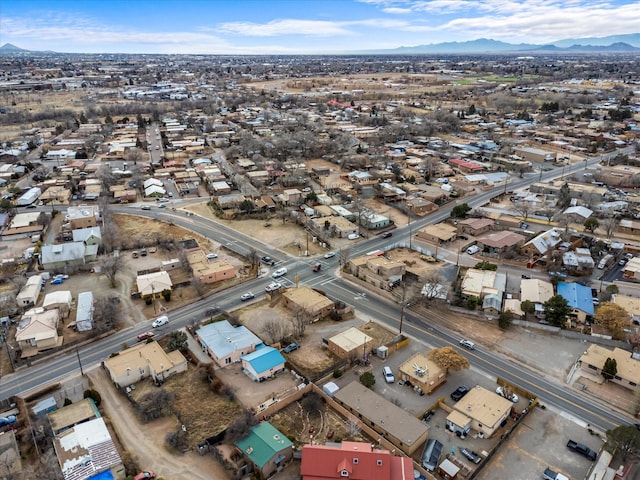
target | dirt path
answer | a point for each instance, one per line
(145, 442)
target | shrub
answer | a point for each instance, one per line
(337, 373)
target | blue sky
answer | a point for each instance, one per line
(300, 26)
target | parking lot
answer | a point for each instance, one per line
(539, 441)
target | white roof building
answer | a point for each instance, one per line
(84, 314)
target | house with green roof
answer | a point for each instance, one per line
(266, 448)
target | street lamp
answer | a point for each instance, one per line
(409, 211)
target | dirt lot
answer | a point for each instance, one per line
(146, 442)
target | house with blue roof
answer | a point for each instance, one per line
(579, 299)
(266, 448)
(225, 343)
(263, 364)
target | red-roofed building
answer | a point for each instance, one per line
(464, 166)
(353, 460)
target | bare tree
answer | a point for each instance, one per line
(354, 428)
(610, 225)
(301, 318)
(275, 330)
(110, 265)
(241, 427)
(106, 310)
(523, 208)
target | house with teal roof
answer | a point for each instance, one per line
(262, 364)
(266, 448)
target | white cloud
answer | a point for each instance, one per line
(396, 10)
(286, 27)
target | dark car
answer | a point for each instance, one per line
(459, 392)
(386, 235)
(471, 455)
(427, 415)
(268, 260)
(594, 292)
(291, 347)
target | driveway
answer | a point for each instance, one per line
(145, 442)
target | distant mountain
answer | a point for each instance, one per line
(632, 39)
(488, 46)
(482, 45)
(10, 48)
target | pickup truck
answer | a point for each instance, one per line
(551, 475)
(582, 449)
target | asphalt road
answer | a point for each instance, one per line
(57, 367)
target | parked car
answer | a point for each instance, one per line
(427, 415)
(473, 249)
(145, 476)
(143, 252)
(471, 455)
(8, 420)
(316, 267)
(291, 347)
(353, 236)
(212, 256)
(329, 254)
(508, 395)
(459, 392)
(268, 260)
(279, 272)
(160, 321)
(145, 336)
(247, 296)
(582, 450)
(549, 474)
(162, 206)
(387, 373)
(386, 234)
(623, 261)
(145, 207)
(57, 281)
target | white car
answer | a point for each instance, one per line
(353, 236)
(272, 287)
(212, 256)
(513, 397)
(279, 272)
(160, 321)
(329, 254)
(247, 296)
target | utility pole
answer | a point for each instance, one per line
(79, 361)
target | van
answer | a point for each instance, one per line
(160, 321)
(431, 454)
(473, 249)
(388, 375)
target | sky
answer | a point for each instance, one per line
(228, 27)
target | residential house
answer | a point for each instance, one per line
(23, 225)
(480, 283)
(88, 236)
(481, 410)
(351, 343)
(578, 262)
(420, 207)
(501, 242)
(67, 255)
(536, 155)
(631, 227)
(579, 299)
(542, 244)
(630, 304)
(307, 301)
(475, 226)
(438, 233)
(373, 221)
(84, 313)
(38, 330)
(225, 343)
(422, 373)
(29, 293)
(353, 460)
(266, 448)
(397, 425)
(263, 363)
(628, 374)
(336, 225)
(153, 284)
(465, 166)
(536, 291)
(631, 271)
(82, 216)
(229, 201)
(209, 271)
(144, 360)
(86, 451)
(61, 299)
(73, 414)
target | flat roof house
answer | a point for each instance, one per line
(422, 372)
(399, 427)
(481, 410)
(225, 343)
(350, 342)
(308, 300)
(628, 374)
(144, 360)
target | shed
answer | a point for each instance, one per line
(330, 388)
(448, 470)
(45, 406)
(84, 315)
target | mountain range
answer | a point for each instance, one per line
(629, 43)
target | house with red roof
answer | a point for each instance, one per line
(354, 461)
(465, 166)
